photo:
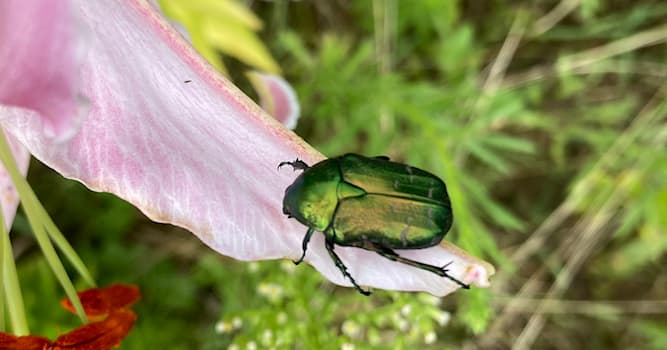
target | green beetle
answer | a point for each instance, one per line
(370, 203)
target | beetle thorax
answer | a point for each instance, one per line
(312, 198)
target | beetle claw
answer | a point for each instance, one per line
(298, 164)
(329, 244)
(445, 270)
(444, 267)
(300, 260)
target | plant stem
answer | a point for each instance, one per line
(10, 284)
(30, 205)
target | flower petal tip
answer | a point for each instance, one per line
(277, 97)
(479, 275)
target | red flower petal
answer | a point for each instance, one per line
(121, 295)
(28, 342)
(100, 335)
(100, 301)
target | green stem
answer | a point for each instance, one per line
(52, 258)
(2, 275)
(60, 240)
(32, 208)
(10, 284)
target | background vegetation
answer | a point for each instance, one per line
(547, 119)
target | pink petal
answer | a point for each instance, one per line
(276, 97)
(9, 198)
(39, 73)
(199, 155)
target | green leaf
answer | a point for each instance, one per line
(488, 157)
(509, 143)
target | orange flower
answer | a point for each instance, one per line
(28, 342)
(101, 335)
(98, 302)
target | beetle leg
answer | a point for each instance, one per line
(329, 244)
(440, 271)
(297, 164)
(304, 245)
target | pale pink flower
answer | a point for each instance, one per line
(96, 90)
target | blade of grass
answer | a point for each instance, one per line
(577, 61)
(554, 16)
(496, 74)
(646, 119)
(2, 274)
(589, 233)
(587, 307)
(10, 284)
(52, 258)
(631, 43)
(32, 212)
(60, 240)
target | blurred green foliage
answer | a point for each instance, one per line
(217, 27)
(564, 135)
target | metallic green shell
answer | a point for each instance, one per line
(379, 176)
(389, 221)
(313, 197)
(358, 200)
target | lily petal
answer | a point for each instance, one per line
(9, 197)
(199, 155)
(38, 73)
(276, 97)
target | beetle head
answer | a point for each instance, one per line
(312, 198)
(286, 212)
(291, 201)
